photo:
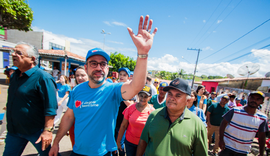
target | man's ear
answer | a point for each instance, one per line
(33, 59)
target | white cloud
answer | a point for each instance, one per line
(214, 31)
(219, 21)
(119, 24)
(204, 21)
(115, 42)
(186, 18)
(169, 16)
(172, 64)
(107, 22)
(207, 48)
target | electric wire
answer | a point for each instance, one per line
(214, 22)
(206, 22)
(246, 54)
(220, 24)
(243, 49)
(236, 39)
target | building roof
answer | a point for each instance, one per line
(237, 79)
(61, 53)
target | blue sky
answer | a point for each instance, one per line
(206, 24)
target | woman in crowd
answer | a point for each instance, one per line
(135, 117)
(202, 100)
(63, 90)
(80, 77)
(192, 106)
(124, 74)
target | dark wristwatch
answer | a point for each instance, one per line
(49, 129)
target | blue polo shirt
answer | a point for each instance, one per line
(31, 97)
(95, 111)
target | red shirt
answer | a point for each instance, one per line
(136, 123)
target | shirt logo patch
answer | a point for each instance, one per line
(78, 103)
(176, 82)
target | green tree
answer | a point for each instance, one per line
(118, 60)
(203, 76)
(15, 14)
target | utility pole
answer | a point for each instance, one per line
(195, 65)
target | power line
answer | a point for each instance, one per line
(246, 54)
(244, 49)
(206, 22)
(220, 24)
(214, 22)
(236, 39)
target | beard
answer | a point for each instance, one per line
(252, 105)
(97, 80)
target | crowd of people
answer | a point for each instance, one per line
(135, 116)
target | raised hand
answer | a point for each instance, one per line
(144, 39)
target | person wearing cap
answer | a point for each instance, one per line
(239, 127)
(131, 75)
(12, 70)
(213, 96)
(135, 117)
(237, 101)
(114, 80)
(124, 74)
(174, 130)
(149, 82)
(214, 118)
(94, 104)
(31, 103)
(156, 84)
(231, 102)
(243, 101)
(159, 100)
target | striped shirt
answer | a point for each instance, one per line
(242, 129)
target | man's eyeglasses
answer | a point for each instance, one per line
(17, 52)
(155, 82)
(94, 64)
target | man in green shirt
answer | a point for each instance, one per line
(159, 100)
(174, 130)
(214, 118)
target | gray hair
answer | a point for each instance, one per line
(32, 51)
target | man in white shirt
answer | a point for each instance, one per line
(55, 73)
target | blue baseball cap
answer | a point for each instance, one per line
(97, 51)
(125, 69)
(163, 84)
(13, 68)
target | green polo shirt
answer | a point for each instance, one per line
(216, 113)
(186, 136)
(155, 103)
(31, 97)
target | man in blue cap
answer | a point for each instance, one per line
(94, 104)
(174, 130)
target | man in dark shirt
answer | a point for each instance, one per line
(31, 104)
